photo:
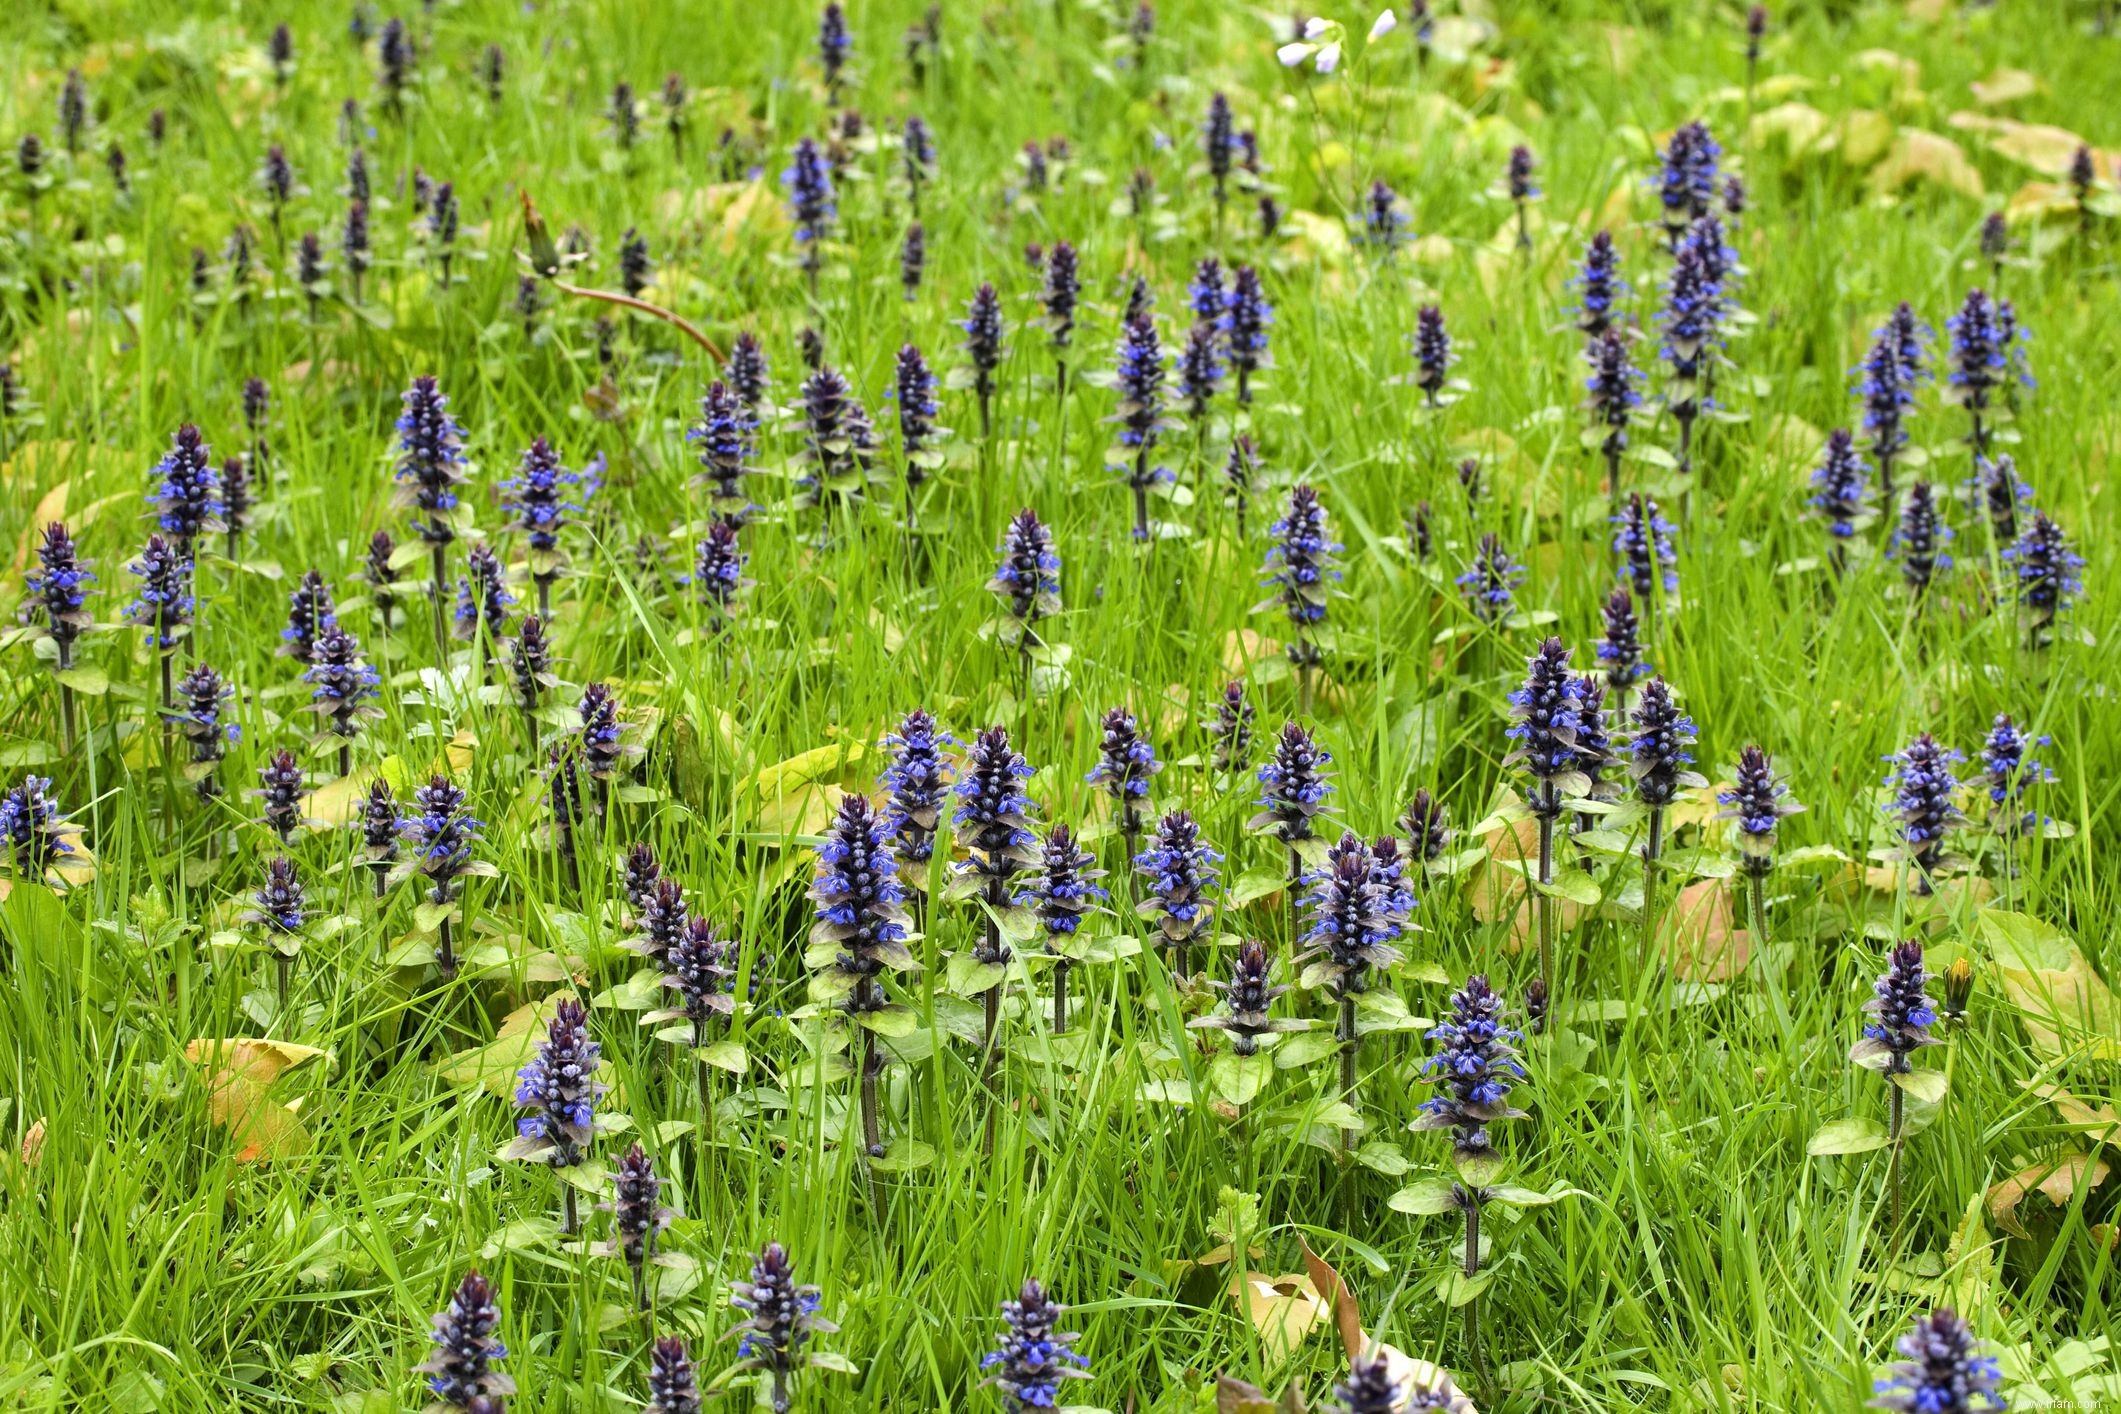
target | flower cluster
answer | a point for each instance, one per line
(1658, 748)
(1756, 803)
(1126, 761)
(1300, 565)
(1231, 728)
(1643, 540)
(1350, 924)
(1923, 786)
(1900, 1010)
(1432, 353)
(993, 816)
(1028, 577)
(1294, 784)
(918, 782)
(1033, 1357)
(1687, 182)
(539, 494)
(460, 1372)
(1939, 1372)
(1474, 1069)
(1063, 886)
(1180, 868)
(201, 716)
(2009, 771)
(32, 829)
(1620, 649)
(1248, 998)
(559, 1090)
(340, 684)
(1490, 582)
(442, 834)
(780, 1317)
(1841, 486)
(859, 902)
(1544, 721)
(1599, 286)
(59, 589)
(430, 460)
(187, 494)
(2048, 573)
(163, 602)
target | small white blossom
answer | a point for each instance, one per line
(1387, 20)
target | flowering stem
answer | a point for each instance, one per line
(441, 594)
(1896, 1125)
(1350, 1057)
(1060, 997)
(684, 326)
(1546, 900)
(66, 716)
(1472, 1269)
(445, 949)
(1652, 851)
(285, 965)
(570, 1209)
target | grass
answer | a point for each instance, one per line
(1702, 1259)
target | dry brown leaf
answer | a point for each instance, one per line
(239, 1073)
(1242, 647)
(51, 507)
(2099, 1124)
(1412, 1375)
(1700, 936)
(2037, 199)
(2057, 1181)
(1922, 156)
(33, 1145)
(2043, 147)
(1284, 1310)
(494, 1065)
(1863, 136)
(2004, 86)
(1800, 128)
(2067, 1013)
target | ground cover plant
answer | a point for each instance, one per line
(1135, 708)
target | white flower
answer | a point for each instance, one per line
(1329, 57)
(1387, 20)
(1293, 54)
(1315, 27)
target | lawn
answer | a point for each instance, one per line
(1403, 707)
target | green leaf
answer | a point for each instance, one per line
(89, 682)
(1927, 1086)
(1254, 885)
(1477, 1170)
(966, 976)
(725, 1055)
(1424, 1199)
(1380, 1157)
(2023, 941)
(1457, 1289)
(1239, 1079)
(904, 1156)
(1574, 885)
(1304, 1048)
(1848, 1136)
(893, 1021)
(1515, 1197)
